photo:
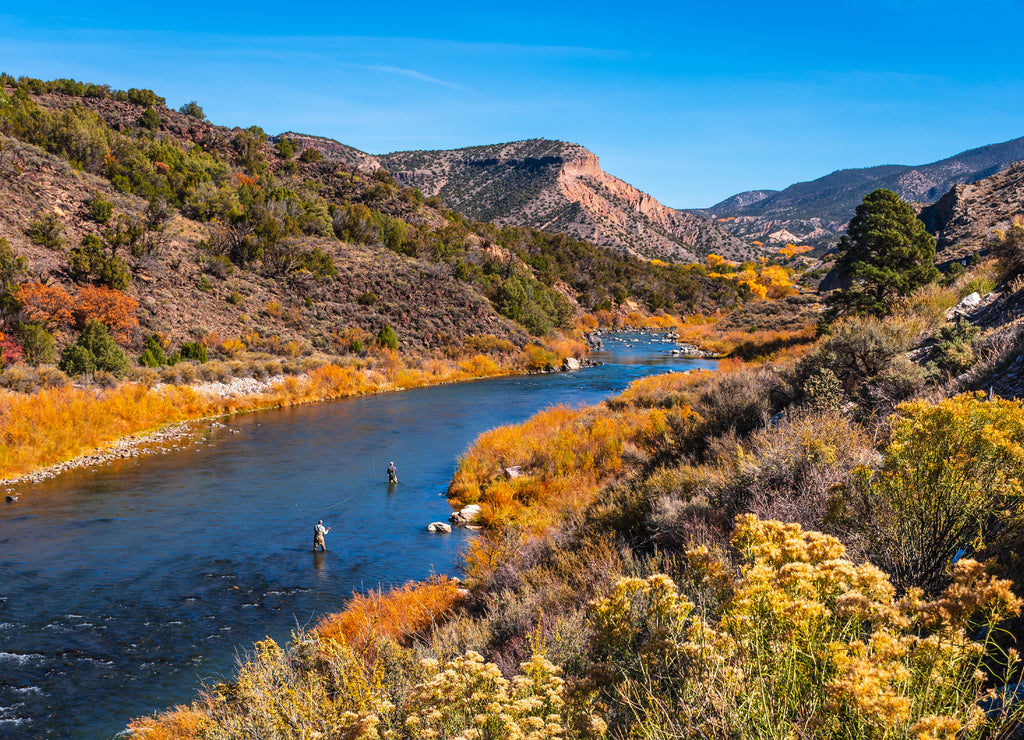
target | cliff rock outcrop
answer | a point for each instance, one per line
(559, 186)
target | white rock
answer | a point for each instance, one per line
(570, 363)
(439, 527)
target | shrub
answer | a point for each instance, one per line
(387, 338)
(192, 108)
(149, 119)
(94, 350)
(950, 481)
(1008, 248)
(311, 154)
(37, 344)
(193, 351)
(47, 230)
(100, 209)
(802, 643)
(366, 299)
(153, 352)
(236, 299)
(859, 348)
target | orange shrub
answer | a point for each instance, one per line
(49, 305)
(398, 614)
(479, 366)
(111, 307)
(565, 455)
(181, 723)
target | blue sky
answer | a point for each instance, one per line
(689, 102)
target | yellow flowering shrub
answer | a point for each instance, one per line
(805, 644)
(951, 480)
(468, 699)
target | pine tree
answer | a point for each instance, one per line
(886, 253)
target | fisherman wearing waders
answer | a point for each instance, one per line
(318, 535)
(392, 473)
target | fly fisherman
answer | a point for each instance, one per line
(318, 535)
(392, 473)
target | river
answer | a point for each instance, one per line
(127, 587)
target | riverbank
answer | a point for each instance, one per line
(58, 429)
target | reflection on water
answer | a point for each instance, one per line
(123, 588)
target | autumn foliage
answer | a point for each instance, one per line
(55, 308)
(397, 614)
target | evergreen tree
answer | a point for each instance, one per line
(886, 253)
(95, 350)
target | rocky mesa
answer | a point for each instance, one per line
(560, 186)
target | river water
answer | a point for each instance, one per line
(125, 588)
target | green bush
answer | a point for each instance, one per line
(38, 344)
(193, 351)
(149, 119)
(285, 148)
(89, 263)
(386, 337)
(153, 352)
(311, 155)
(193, 109)
(100, 209)
(47, 229)
(94, 350)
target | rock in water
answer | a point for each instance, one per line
(466, 515)
(570, 363)
(439, 528)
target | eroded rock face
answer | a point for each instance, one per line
(964, 218)
(559, 186)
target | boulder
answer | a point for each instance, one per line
(439, 528)
(965, 306)
(11, 499)
(514, 472)
(570, 363)
(466, 515)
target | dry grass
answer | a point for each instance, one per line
(566, 455)
(53, 425)
(398, 614)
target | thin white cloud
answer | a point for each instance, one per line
(416, 75)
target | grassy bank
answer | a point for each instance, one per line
(635, 579)
(53, 425)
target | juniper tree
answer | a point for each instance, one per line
(886, 253)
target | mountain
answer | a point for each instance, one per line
(294, 245)
(558, 186)
(815, 212)
(964, 218)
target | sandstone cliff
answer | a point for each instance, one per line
(559, 186)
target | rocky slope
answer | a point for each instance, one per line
(964, 218)
(559, 186)
(816, 212)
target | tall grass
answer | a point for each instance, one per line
(53, 425)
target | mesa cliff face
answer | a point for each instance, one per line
(559, 186)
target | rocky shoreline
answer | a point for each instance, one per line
(171, 438)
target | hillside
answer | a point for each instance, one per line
(291, 245)
(816, 212)
(964, 218)
(559, 186)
